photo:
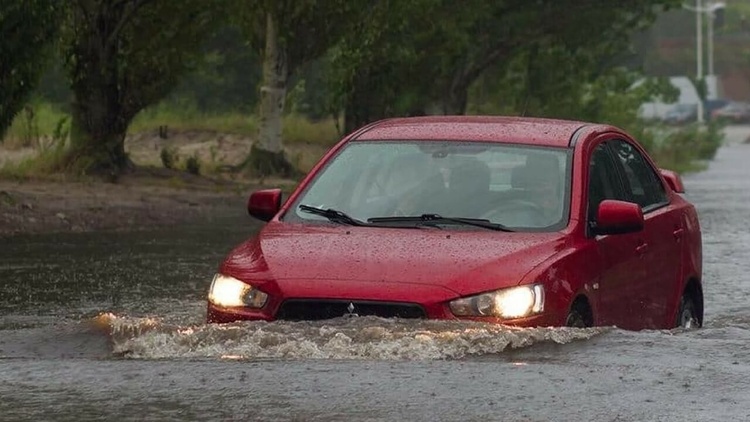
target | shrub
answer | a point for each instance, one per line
(193, 165)
(169, 157)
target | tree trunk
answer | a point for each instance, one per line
(456, 99)
(98, 125)
(365, 103)
(273, 91)
(97, 140)
(267, 157)
(356, 114)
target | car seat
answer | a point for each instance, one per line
(468, 190)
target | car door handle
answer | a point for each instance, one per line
(641, 249)
(677, 233)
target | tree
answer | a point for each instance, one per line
(122, 56)
(440, 48)
(385, 66)
(29, 28)
(289, 33)
(227, 79)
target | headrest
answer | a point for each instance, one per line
(470, 173)
(539, 169)
(410, 169)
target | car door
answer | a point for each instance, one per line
(659, 243)
(618, 259)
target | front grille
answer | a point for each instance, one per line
(304, 309)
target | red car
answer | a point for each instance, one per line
(518, 221)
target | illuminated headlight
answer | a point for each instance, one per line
(228, 291)
(515, 302)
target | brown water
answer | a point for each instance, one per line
(110, 326)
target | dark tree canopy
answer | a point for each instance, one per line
(29, 28)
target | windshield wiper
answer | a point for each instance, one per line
(438, 219)
(333, 215)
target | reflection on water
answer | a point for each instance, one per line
(78, 275)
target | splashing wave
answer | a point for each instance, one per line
(344, 338)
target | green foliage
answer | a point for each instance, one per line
(309, 96)
(398, 61)
(135, 65)
(169, 157)
(29, 28)
(62, 129)
(307, 28)
(37, 120)
(46, 161)
(686, 149)
(386, 64)
(193, 165)
(225, 80)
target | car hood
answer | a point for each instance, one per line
(462, 261)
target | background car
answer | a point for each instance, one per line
(735, 112)
(681, 114)
(710, 106)
(518, 221)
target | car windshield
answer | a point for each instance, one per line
(520, 187)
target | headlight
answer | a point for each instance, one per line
(515, 302)
(228, 291)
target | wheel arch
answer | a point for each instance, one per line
(694, 289)
(583, 304)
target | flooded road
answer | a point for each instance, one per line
(110, 326)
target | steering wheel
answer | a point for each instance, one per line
(508, 213)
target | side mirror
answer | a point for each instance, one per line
(673, 180)
(264, 204)
(618, 217)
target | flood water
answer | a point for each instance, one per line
(110, 326)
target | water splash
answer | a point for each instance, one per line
(343, 338)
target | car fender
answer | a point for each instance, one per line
(691, 258)
(567, 275)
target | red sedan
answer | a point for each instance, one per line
(518, 221)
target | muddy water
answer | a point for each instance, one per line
(109, 326)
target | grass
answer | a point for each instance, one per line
(38, 120)
(296, 129)
(41, 119)
(300, 130)
(191, 120)
(45, 163)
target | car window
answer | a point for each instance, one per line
(603, 181)
(514, 185)
(641, 179)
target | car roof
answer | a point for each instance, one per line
(518, 130)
